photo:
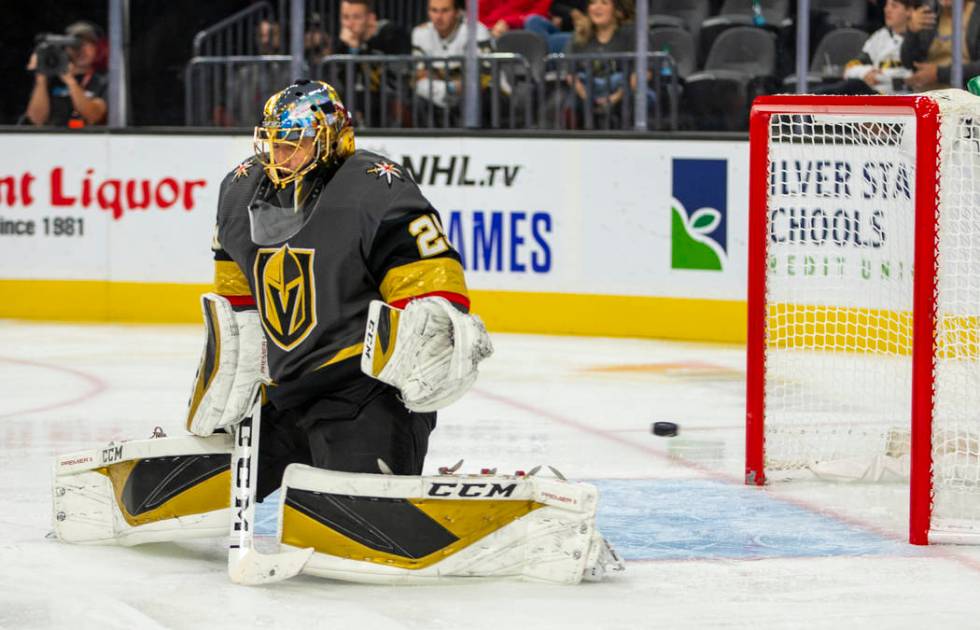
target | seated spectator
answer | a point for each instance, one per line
(444, 35)
(267, 37)
(878, 69)
(601, 31)
(928, 47)
(362, 33)
(557, 25)
(501, 16)
(253, 80)
(76, 97)
(316, 42)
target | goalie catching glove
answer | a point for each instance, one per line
(233, 361)
(429, 351)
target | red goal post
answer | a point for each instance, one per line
(849, 353)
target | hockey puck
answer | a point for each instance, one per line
(664, 429)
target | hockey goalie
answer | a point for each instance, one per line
(338, 325)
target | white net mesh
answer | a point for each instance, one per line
(839, 286)
(956, 406)
(840, 253)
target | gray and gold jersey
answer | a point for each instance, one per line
(364, 232)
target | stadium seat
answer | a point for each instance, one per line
(774, 11)
(842, 12)
(716, 101)
(740, 65)
(532, 46)
(833, 52)
(680, 44)
(739, 13)
(744, 49)
(686, 13)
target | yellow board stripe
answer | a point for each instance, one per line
(502, 311)
(421, 277)
(469, 521)
(229, 279)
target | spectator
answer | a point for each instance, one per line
(76, 98)
(362, 33)
(253, 80)
(501, 16)
(316, 42)
(600, 31)
(444, 35)
(267, 37)
(557, 25)
(878, 68)
(928, 47)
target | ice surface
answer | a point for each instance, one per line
(702, 549)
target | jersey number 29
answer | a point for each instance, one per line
(429, 235)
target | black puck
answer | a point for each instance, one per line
(664, 429)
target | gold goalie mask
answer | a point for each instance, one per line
(303, 126)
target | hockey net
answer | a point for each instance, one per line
(858, 367)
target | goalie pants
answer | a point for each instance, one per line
(381, 429)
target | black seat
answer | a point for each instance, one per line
(774, 11)
(716, 100)
(833, 52)
(686, 13)
(532, 46)
(736, 13)
(740, 65)
(842, 12)
(680, 44)
(744, 49)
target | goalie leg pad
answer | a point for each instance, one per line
(232, 362)
(143, 491)
(396, 529)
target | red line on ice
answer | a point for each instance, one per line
(96, 386)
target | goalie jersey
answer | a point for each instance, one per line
(361, 231)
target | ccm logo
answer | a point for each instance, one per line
(111, 454)
(369, 340)
(471, 490)
(243, 481)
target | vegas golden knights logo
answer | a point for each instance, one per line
(286, 294)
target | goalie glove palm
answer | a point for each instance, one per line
(429, 351)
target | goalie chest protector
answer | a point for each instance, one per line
(313, 289)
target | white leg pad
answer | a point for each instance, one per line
(555, 542)
(85, 508)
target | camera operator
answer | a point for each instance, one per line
(68, 94)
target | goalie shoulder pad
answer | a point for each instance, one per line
(429, 350)
(233, 360)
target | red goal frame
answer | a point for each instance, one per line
(927, 116)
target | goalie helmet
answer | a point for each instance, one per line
(305, 118)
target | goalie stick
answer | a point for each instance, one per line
(246, 565)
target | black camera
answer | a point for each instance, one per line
(52, 53)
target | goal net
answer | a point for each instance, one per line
(864, 298)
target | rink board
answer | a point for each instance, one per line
(624, 237)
